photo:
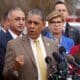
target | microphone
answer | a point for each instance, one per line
(62, 50)
(48, 60)
(77, 58)
(52, 68)
(62, 65)
(72, 60)
(57, 57)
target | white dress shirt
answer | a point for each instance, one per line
(14, 36)
(35, 52)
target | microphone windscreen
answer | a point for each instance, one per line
(62, 49)
(70, 59)
(77, 59)
(48, 60)
(57, 57)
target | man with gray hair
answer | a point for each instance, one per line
(16, 20)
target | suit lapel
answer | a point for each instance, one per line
(46, 45)
(8, 36)
(2, 33)
(69, 30)
(27, 46)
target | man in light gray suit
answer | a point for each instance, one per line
(21, 62)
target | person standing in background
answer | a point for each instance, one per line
(16, 19)
(68, 30)
(4, 24)
(56, 24)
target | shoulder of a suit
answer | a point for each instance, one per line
(71, 28)
(14, 41)
(49, 41)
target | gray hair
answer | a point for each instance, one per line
(37, 11)
(14, 9)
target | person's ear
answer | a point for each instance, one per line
(43, 25)
(8, 21)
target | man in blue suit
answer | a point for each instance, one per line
(17, 23)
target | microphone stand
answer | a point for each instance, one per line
(63, 68)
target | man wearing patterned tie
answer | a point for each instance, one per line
(22, 60)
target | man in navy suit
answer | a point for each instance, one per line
(17, 23)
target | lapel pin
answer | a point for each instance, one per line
(48, 44)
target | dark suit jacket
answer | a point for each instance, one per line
(21, 46)
(2, 33)
(3, 44)
(70, 32)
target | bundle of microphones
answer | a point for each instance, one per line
(63, 62)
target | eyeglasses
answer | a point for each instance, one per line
(62, 10)
(55, 22)
(19, 18)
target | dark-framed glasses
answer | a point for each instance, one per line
(55, 22)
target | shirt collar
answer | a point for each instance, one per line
(13, 34)
(39, 38)
(64, 26)
(3, 30)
